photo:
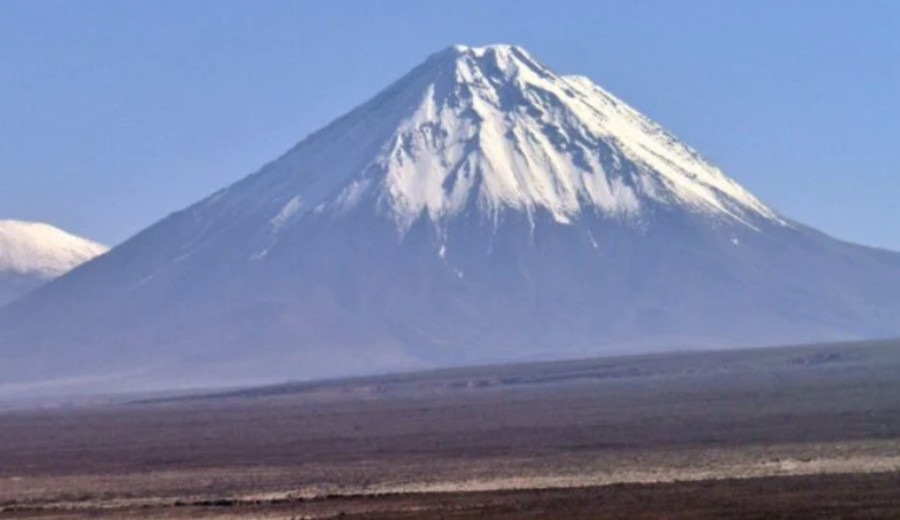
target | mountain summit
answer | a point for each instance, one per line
(482, 208)
(31, 253)
(490, 129)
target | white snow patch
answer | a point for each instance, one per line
(286, 212)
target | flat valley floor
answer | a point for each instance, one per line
(801, 432)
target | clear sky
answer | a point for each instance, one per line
(114, 114)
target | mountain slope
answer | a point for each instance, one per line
(31, 253)
(482, 208)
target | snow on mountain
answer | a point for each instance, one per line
(482, 208)
(494, 126)
(31, 253)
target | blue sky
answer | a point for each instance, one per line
(114, 114)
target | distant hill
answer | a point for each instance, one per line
(31, 253)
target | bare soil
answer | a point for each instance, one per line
(804, 432)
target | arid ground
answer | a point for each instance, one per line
(801, 432)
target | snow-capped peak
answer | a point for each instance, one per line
(496, 117)
(481, 209)
(41, 250)
(493, 129)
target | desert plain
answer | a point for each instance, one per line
(794, 432)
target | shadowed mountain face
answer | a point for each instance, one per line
(480, 209)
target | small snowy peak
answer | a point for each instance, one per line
(41, 250)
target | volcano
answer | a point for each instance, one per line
(483, 208)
